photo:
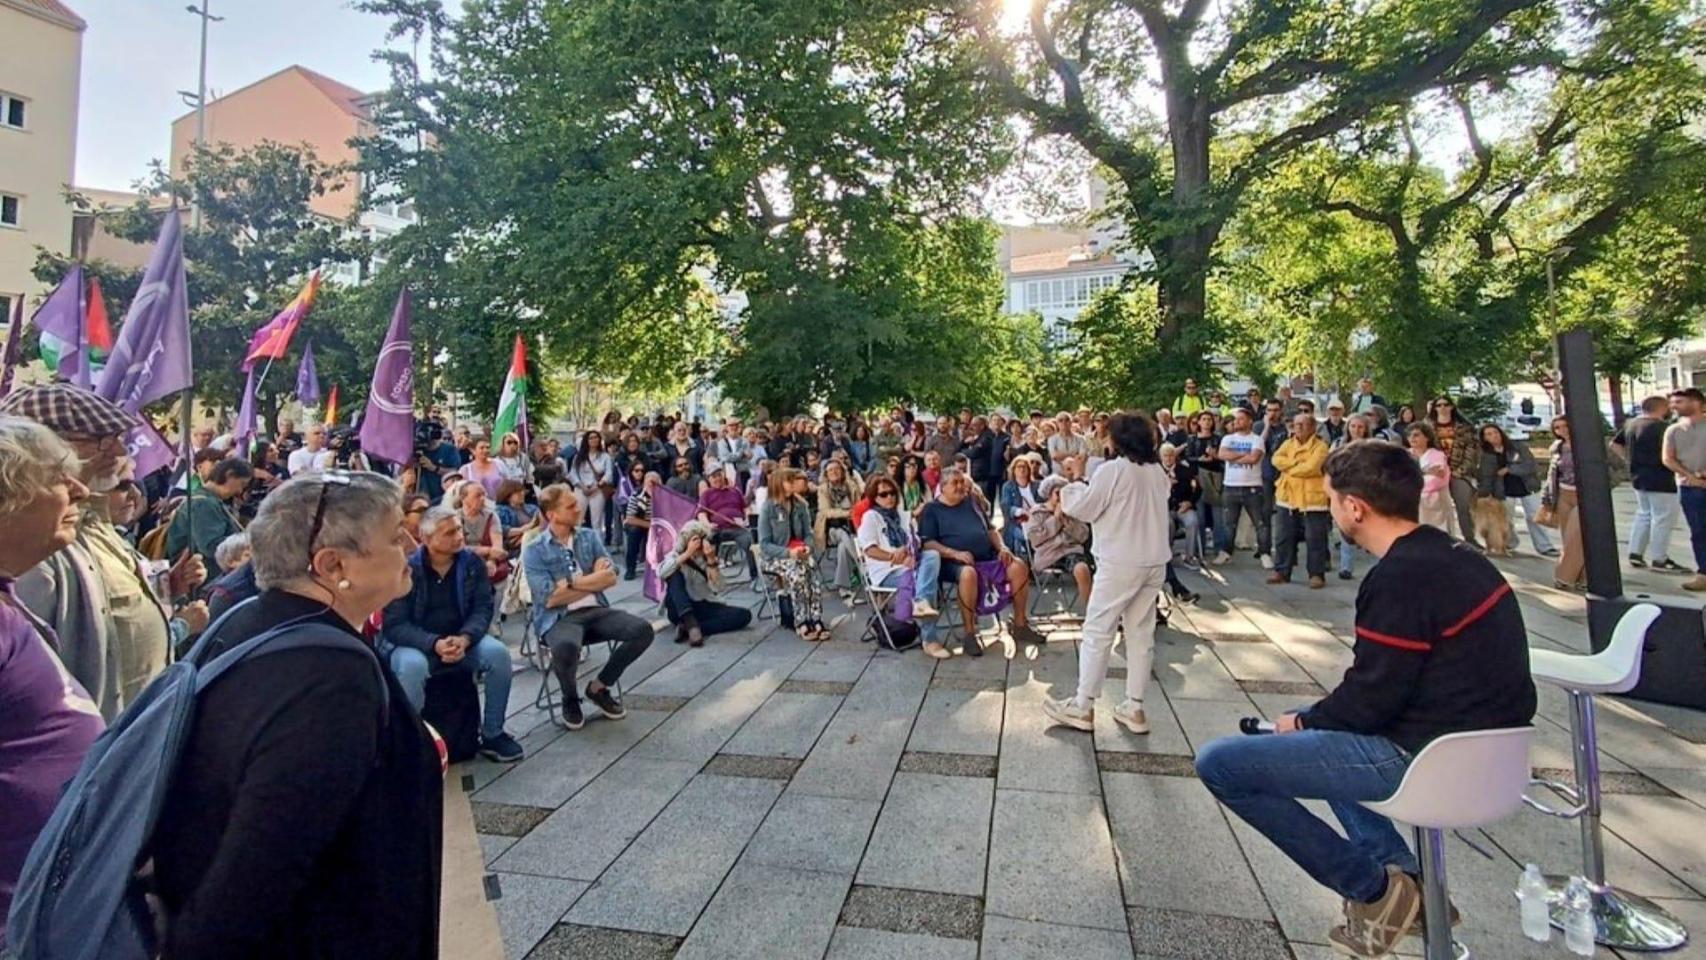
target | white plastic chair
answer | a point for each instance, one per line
(1432, 799)
(1622, 919)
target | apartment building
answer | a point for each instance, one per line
(41, 54)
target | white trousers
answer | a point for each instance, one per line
(1119, 597)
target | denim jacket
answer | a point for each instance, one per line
(544, 561)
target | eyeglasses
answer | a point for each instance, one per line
(886, 494)
(328, 479)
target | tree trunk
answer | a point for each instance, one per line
(1617, 415)
(1183, 289)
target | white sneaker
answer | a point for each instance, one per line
(1267, 562)
(1129, 714)
(1068, 713)
(923, 611)
(1222, 558)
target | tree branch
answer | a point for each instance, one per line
(1435, 217)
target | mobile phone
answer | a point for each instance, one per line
(1255, 726)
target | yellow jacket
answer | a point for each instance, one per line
(1301, 485)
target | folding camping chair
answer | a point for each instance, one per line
(765, 586)
(882, 601)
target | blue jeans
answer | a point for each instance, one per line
(1262, 778)
(1694, 511)
(488, 656)
(924, 578)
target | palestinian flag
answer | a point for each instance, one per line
(66, 324)
(512, 406)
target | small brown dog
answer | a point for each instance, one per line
(1492, 525)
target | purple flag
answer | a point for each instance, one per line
(148, 450)
(307, 378)
(669, 511)
(14, 345)
(246, 415)
(388, 427)
(151, 359)
(61, 320)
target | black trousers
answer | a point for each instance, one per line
(1309, 525)
(596, 625)
(710, 616)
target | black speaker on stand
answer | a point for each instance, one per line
(1673, 670)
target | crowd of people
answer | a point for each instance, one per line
(310, 783)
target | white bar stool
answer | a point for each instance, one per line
(1432, 799)
(1622, 919)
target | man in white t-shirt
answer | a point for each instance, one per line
(313, 457)
(1242, 452)
(1684, 452)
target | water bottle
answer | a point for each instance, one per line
(1579, 928)
(1531, 890)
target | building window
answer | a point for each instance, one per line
(9, 210)
(11, 111)
(6, 310)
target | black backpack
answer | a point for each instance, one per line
(453, 708)
(897, 634)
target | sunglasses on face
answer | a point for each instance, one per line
(886, 494)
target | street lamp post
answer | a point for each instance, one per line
(200, 99)
(1556, 393)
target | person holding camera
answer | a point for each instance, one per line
(691, 581)
(435, 457)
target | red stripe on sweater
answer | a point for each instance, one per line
(1479, 612)
(1392, 641)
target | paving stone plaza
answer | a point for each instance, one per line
(768, 797)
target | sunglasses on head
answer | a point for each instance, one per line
(328, 480)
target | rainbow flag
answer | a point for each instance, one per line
(332, 406)
(272, 340)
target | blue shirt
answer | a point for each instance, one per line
(544, 561)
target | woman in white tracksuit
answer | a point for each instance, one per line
(1125, 504)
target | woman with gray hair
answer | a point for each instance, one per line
(49, 721)
(691, 580)
(304, 818)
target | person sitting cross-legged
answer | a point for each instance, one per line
(441, 623)
(1448, 657)
(568, 570)
(956, 527)
(691, 576)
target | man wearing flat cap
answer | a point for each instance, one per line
(102, 598)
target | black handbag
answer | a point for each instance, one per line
(453, 709)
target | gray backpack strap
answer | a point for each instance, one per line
(297, 635)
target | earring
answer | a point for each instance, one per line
(343, 584)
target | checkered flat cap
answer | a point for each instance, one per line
(69, 409)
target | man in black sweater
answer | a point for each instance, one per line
(1440, 648)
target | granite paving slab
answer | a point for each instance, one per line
(1159, 764)
(838, 661)
(1259, 661)
(948, 764)
(530, 907)
(506, 819)
(804, 832)
(1194, 672)
(1290, 688)
(1007, 938)
(553, 774)
(958, 721)
(672, 870)
(1195, 936)
(492, 846)
(859, 943)
(1164, 736)
(699, 730)
(694, 670)
(1036, 754)
(1667, 829)
(588, 833)
(787, 725)
(1051, 859)
(913, 911)
(762, 768)
(768, 911)
(933, 834)
(1214, 877)
(833, 688)
(967, 682)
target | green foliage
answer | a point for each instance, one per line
(599, 167)
(1113, 357)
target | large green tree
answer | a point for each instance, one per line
(597, 167)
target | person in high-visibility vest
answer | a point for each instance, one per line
(1191, 402)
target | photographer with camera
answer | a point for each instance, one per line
(435, 457)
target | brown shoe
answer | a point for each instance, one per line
(1373, 929)
(1421, 920)
(1697, 584)
(1277, 577)
(1316, 583)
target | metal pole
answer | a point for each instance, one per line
(200, 102)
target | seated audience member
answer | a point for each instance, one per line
(568, 570)
(515, 514)
(1058, 541)
(441, 624)
(482, 530)
(213, 513)
(890, 545)
(686, 481)
(637, 523)
(1184, 495)
(1125, 504)
(232, 552)
(307, 782)
(1427, 662)
(785, 543)
(512, 460)
(484, 469)
(834, 524)
(691, 579)
(415, 506)
(915, 492)
(48, 722)
(1019, 497)
(723, 507)
(956, 528)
